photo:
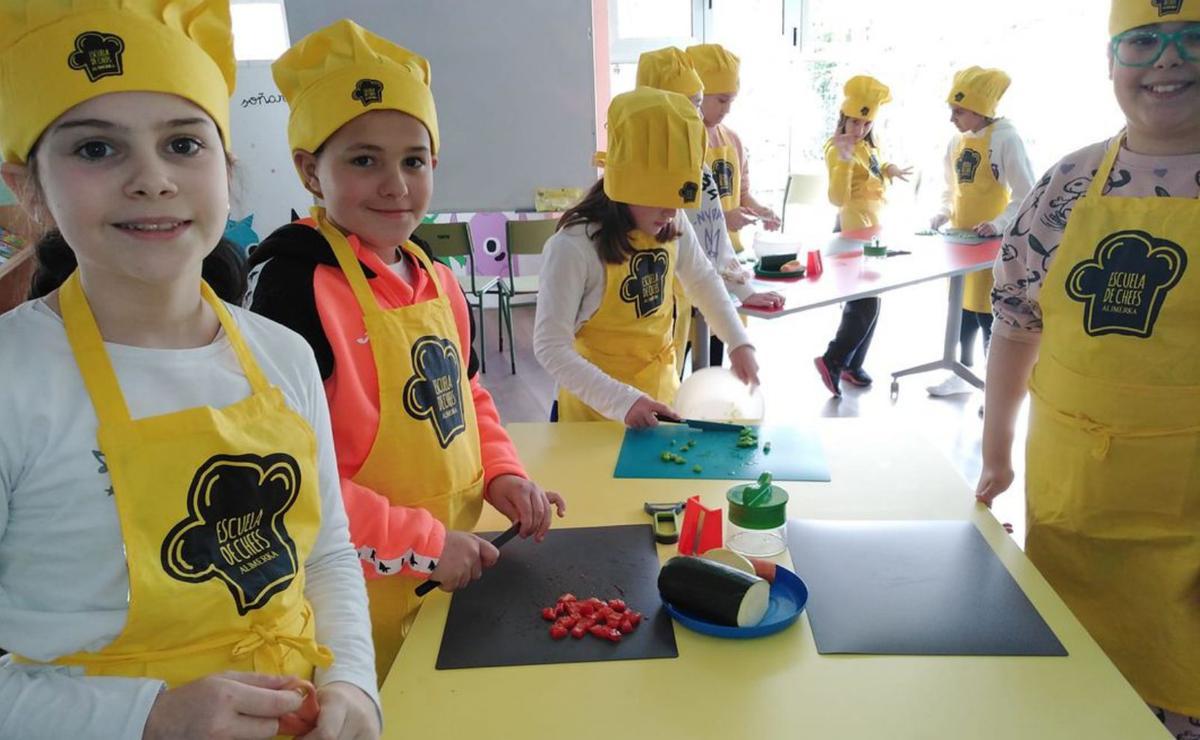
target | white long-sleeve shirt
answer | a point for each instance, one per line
(708, 221)
(1010, 166)
(572, 287)
(63, 578)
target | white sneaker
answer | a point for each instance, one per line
(951, 386)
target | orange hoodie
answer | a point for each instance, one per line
(390, 539)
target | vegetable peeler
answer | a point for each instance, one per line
(666, 521)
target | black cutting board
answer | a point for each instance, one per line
(913, 588)
(497, 620)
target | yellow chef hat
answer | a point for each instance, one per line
(655, 154)
(669, 69)
(334, 75)
(717, 66)
(864, 95)
(56, 54)
(1127, 14)
(978, 89)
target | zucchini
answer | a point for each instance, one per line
(714, 591)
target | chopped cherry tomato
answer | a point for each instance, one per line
(567, 597)
(616, 605)
(549, 614)
(599, 630)
(635, 618)
(587, 608)
(612, 620)
(611, 634)
(558, 632)
(560, 608)
(578, 631)
(625, 626)
(569, 621)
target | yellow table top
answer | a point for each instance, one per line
(777, 686)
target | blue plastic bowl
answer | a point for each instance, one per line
(788, 597)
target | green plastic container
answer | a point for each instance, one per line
(757, 518)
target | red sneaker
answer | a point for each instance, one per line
(828, 376)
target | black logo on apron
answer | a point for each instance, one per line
(966, 165)
(235, 528)
(368, 91)
(1167, 7)
(1124, 285)
(722, 172)
(98, 54)
(434, 391)
(873, 165)
(646, 284)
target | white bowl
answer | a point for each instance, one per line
(715, 394)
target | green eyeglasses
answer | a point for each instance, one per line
(1143, 47)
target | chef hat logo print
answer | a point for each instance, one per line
(722, 172)
(645, 285)
(235, 528)
(97, 54)
(1167, 7)
(434, 391)
(966, 165)
(1124, 286)
(959, 97)
(689, 191)
(865, 110)
(368, 91)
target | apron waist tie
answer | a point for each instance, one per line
(255, 638)
(1105, 433)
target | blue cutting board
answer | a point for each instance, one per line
(795, 454)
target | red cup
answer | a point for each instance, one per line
(814, 266)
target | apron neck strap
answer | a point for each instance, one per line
(100, 379)
(348, 261)
(1096, 189)
(427, 264)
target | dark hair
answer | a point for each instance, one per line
(224, 268)
(613, 221)
(841, 129)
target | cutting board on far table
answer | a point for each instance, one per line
(795, 454)
(497, 620)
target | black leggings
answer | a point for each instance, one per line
(972, 322)
(849, 347)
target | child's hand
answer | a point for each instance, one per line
(463, 559)
(739, 218)
(938, 221)
(898, 173)
(227, 704)
(347, 713)
(770, 220)
(645, 412)
(524, 501)
(993, 481)
(986, 229)
(845, 144)
(744, 365)
(769, 301)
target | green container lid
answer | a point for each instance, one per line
(872, 250)
(759, 505)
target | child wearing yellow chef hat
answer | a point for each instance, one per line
(987, 176)
(857, 183)
(672, 70)
(1097, 304)
(182, 464)
(605, 311)
(419, 441)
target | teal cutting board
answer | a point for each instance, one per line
(795, 454)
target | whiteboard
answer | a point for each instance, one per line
(265, 185)
(514, 85)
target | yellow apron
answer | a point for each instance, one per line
(1113, 480)
(426, 453)
(722, 160)
(978, 197)
(867, 185)
(630, 335)
(219, 509)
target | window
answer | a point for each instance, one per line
(259, 30)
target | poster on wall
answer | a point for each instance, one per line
(265, 187)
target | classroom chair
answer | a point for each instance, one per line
(808, 190)
(454, 240)
(523, 237)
